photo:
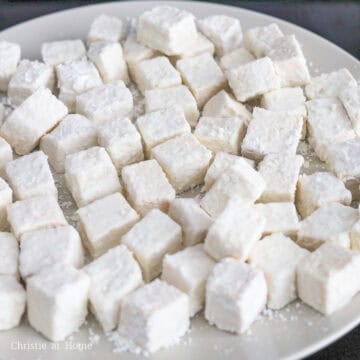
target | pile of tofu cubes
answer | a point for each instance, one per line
(224, 113)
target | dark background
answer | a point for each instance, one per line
(337, 21)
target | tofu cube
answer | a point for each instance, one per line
(221, 134)
(90, 175)
(122, 141)
(112, 276)
(280, 173)
(166, 29)
(150, 305)
(155, 235)
(104, 221)
(58, 52)
(155, 73)
(202, 75)
(252, 79)
(193, 220)
(30, 176)
(73, 134)
(184, 160)
(224, 31)
(36, 116)
(6, 154)
(271, 132)
(350, 98)
(278, 256)
(12, 302)
(235, 58)
(147, 187)
(6, 196)
(188, 270)
(9, 254)
(321, 277)
(180, 96)
(57, 301)
(235, 295)
(9, 58)
(318, 189)
(331, 223)
(105, 28)
(355, 237)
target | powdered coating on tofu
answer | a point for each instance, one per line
(9, 57)
(6, 154)
(58, 52)
(9, 254)
(6, 196)
(350, 98)
(105, 28)
(234, 58)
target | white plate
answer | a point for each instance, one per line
(292, 333)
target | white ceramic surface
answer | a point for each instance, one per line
(292, 333)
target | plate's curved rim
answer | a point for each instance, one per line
(328, 339)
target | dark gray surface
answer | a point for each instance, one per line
(337, 21)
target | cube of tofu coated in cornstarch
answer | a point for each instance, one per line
(112, 276)
(6, 196)
(355, 237)
(235, 295)
(154, 236)
(47, 247)
(105, 28)
(30, 176)
(234, 58)
(29, 77)
(150, 305)
(188, 270)
(104, 221)
(9, 254)
(350, 98)
(37, 115)
(184, 160)
(62, 293)
(90, 175)
(327, 278)
(224, 31)
(147, 186)
(9, 58)
(6, 154)
(278, 256)
(166, 29)
(105, 102)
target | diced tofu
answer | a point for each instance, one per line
(155, 73)
(105, 28)
(239, 180)
(328, 278)
(6, 196)
(355, 237)
(90, 175)
(48, 247)
(163, 312)
(235, 295)
(167, 29)
(188, 270)
(259, 40)
(202, 75)
(109, 60)
(147, 187)
(224, 31)
(271, 132)
(159, 126)
(285, 99)
(194, 221)
(58, 52)
(30, 176)
(9, 58)
(105, 102)
(221, 134)
(12, 302)
(253, 79)
(184, 160)
(29, 77)
(280, 173)
(122, 141)
(37, 115)
(6, 154)
(33, 214)
(350, 98)
(330, 84)
(331, 223)
(278, 256)
(112, 276)
(318, 189)
(151, 239)
(279, 217)
(57, 301)
(235, 58)
(73, 134)
(9, 254)
(104, 221)
(328, 123)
